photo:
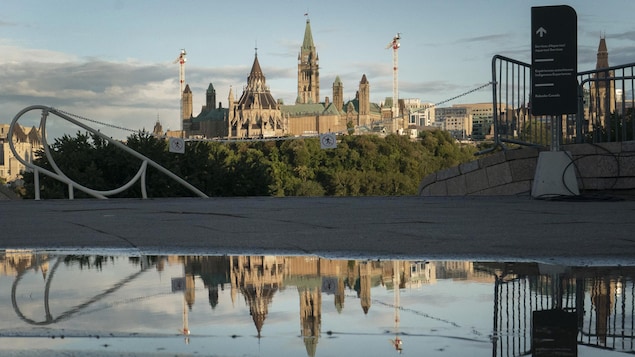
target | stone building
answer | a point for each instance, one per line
(26, 142)
(256, 114)
(212, 121)
(603, 95)
(308, 70)
(456, 119)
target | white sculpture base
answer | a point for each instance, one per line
(555, 175)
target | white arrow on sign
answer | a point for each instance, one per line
(541, 31)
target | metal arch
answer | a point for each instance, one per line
(60, 176)
(69, 313)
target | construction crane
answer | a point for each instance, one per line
(394, 44)
(396, 277)
(181, 61)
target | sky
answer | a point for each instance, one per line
(113, 60)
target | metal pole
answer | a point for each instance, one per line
(556, 129)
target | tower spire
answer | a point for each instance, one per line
(603, 54)
(256, 80)
(308, 69)
(307, 43)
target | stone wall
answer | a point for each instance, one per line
(606, 166)
(7, 194)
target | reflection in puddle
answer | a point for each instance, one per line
(311, 306)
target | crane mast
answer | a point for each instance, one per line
(181, 61)
(396, 276)
(394, 44)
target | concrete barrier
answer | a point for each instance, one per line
(606, 166)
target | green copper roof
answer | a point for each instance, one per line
(373, 107)
(302, 109)
(214, 114)
(308, 37)
(332, 110)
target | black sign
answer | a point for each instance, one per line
(554, 333)
(554, 60)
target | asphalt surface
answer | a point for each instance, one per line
(582, 230)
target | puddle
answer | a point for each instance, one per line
(308, 306)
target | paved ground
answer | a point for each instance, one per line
(498, 228)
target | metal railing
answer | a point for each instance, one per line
(609, 308)
(604, 304)
(607, 103)
(59, 175)
(606, 107)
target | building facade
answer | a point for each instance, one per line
(473, 121)
(602, 98)
(419, 114)
(456, 119)
(256, 114)
(482, 120)
(308, 70)
(26, 142)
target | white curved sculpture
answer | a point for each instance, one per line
(60, 176)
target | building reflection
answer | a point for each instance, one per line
(13, 262)
(601, 298)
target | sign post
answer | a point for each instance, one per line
(554, 60)
(554, 92)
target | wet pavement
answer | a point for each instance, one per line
(499, 228)
(107, 305)
(587, 232)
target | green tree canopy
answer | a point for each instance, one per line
(359, 165)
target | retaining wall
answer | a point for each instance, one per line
(606, 166)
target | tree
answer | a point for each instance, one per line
(618, 128)
(360, 165)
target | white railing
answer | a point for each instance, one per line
(72, 185)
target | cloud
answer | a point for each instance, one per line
(11, 54)
(484, 38)
(628, 35)
(621, 50)
(445, 92)
(128, 94)
(90, 83)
